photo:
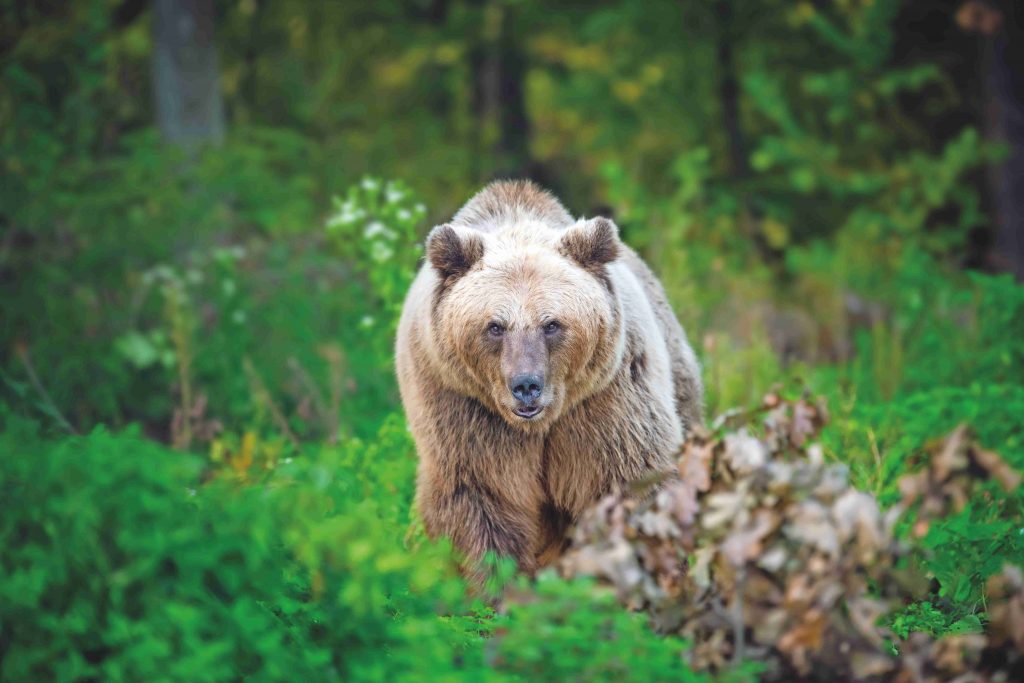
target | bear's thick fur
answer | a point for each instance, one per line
(540, 366)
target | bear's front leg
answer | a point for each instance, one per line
(479, 520)
(479, 483)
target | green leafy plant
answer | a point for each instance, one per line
(923, 617)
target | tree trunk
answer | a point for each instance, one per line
(726, 38)
(729, 91)
(1005, 85)
(499, 68)
(186, 84)
(514, 140)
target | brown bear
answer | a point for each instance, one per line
(540, 366)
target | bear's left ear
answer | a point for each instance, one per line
(591, 243)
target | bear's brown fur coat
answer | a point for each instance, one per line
(513, 281)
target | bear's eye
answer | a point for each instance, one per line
(495, 330)
(552, 327)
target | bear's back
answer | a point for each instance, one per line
(507, 202)
(687, 386)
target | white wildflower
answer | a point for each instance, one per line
(163, 272)
(376, 229)
(381, 252)
(348, 213)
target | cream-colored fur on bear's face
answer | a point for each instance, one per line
(522, 283)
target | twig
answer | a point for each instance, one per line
(312, 391)
(335, 363)
(878, 460)
(738, 628)
(181, 332)
(264, 395)
(33, 378)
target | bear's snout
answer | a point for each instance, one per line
(524, 364)
(527, 388)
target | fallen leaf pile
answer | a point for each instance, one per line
(762, 550)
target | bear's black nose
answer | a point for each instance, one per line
(527, 388)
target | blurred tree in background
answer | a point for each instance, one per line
(1002, 26)
(186, 75)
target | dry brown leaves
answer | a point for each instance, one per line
(762, 550)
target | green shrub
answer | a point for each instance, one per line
(574, 631)
(119, 564)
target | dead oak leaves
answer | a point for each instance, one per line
(760, 549)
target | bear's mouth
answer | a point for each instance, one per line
(528, 412)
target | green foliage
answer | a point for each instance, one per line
(949, 353)
(375, 229)
(924, 618)
(966, 549)
(303, 575)
(581, 633)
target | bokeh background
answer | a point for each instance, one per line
(210, 211)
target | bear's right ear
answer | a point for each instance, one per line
(453, 255)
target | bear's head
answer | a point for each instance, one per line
(525, 320)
